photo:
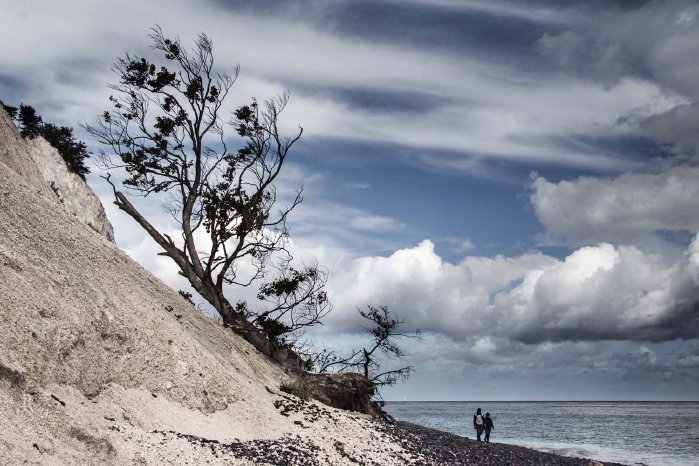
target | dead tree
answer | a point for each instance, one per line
(385, 331)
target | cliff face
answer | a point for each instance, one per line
(14, 155)
(71, 190)
(101, 363)
(40, 165)
(82, 323)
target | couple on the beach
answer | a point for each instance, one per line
(482, 424)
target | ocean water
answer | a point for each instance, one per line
(649, 433)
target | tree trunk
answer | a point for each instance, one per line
(367, 361)
(203, 285)
(237, 322)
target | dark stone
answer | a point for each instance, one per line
(348, 391)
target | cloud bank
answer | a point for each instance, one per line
(600, 292)
(589, 209)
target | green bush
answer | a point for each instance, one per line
(297, 388)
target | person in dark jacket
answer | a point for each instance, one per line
(487, 426)
(478, 423)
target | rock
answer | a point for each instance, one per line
(347, 391)
(71, 190)
(14, 154)
(42, 167)
(12, 371)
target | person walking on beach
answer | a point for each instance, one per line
(487, 426)
(478, 423)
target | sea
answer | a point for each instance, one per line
(631, 433)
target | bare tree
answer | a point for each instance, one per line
(320, 359)
(165, 129)
(385, 331)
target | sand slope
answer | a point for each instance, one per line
(102, 363)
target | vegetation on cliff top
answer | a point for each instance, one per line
(31, 125)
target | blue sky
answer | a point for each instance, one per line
(518, 179)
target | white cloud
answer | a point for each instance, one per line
(430, 293)
(376, 223)
(605, 293)
(502, 8)
(689, 359)
(319, 221)
(460, 245)
(657, 40)
(490, 113)
(495, 354)
(357, 185)
(599, 292)
(646, 354)
(588, 209)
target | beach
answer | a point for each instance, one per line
(444, 448)
(626, 432)
(403, 444)
(357, 440)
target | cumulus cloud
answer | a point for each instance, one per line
(598, 292)
(656, 40)
(589, 209)
(679, 126)
(607, 293)
(430, 293)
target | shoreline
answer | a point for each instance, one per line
(399, 443)
(404, 444)
(444, 448)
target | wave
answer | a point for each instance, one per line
(600, 453)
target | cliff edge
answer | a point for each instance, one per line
(43, 168)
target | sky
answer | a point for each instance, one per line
(519, 180)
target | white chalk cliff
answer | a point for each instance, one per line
(101, 363)
(42, 167)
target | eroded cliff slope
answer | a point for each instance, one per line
(102, 363)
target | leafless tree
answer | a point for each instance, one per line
(385, 331)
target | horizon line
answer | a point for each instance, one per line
(543, 401)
